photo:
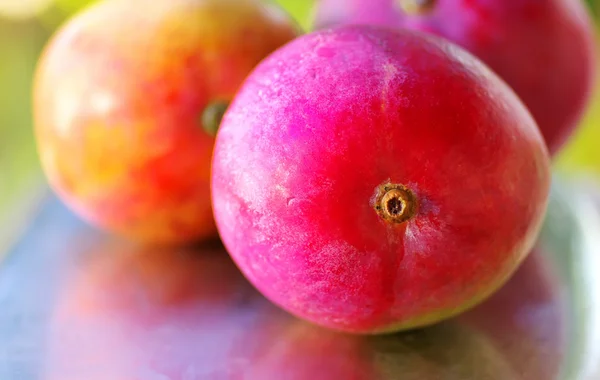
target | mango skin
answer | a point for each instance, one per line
(118, 98)
(544, 49)
(322, 123)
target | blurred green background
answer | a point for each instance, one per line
(25, 26)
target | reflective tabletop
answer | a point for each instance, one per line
(76, 304)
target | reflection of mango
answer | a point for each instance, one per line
(526, 320)
(129, 313)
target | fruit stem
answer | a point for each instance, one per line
(395, 203)
(212, 116)
(416, 7)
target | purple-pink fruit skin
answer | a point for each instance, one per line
(544, 49)
(326, 122)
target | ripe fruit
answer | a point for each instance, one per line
(542, 48)
(370, 180)
(127, 97)
(130, 314)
